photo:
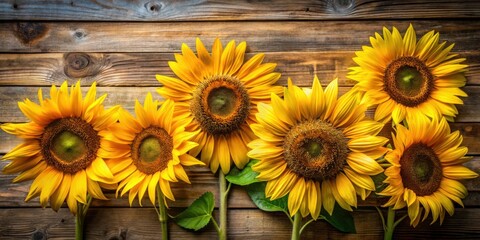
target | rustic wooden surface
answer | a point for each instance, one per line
(122, 45)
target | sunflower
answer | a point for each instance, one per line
(316, 148)
(62, 147)
(218, 94)
(426, 166)
(404, 77)
(149, 151)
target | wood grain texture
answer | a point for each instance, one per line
(184, 10)
(142, 223)
(139, 69)
(269, 36)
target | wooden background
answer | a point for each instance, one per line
(122, 45)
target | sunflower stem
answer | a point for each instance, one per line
(305, 225)
(399, 220)
(222, 234)
(216, 225)
(382, 218)
(390, 227)
(162, 216)
(80, 217)
(297, 223)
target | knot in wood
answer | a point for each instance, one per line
(78, 61)
(340, 6)
(39, 235)
(30, 32)
(80, 65)
(153, 7)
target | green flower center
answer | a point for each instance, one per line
(69, 144)
(315, 150)
(152, 150)
(221, 101)
(408, 81)
(421, 170)
(220, 104)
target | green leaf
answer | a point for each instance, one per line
(243, 177)
(341, 219)
(378, 180)
(198, 214)
(256, 191)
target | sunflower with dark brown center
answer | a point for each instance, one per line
(63, 148)
(426, 163)
(404, 77)
(149, 151)
(218, 94)
(316, 148)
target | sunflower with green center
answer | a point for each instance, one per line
(426, 166)
(63, 148)
(149, 151)
(404, 77)
(218, 94)
(317, 148)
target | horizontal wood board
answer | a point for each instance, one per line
(121, 45)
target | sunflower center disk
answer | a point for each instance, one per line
(421, 170)
(69, 144)
(221, 101)
(220, 104)
(68, 147)
(408, 81)
(315, 150)
(152, 149)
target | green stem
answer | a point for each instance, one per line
(390, 226)
(297, 223)
(305, 225)
(222, 234)
(79, 220)
(216, 225)
(80, 217)
(162, 216)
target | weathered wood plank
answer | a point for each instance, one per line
(13, 194)
(281, 36)
(139, 69)
(125, 96)
(142, 223)
(237, 10)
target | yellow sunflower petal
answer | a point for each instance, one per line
(222, 155)
(295, 197)
(328, 199)
(347, 190)
(362, 163)
(238, 150)
(458, 172)
(79, 186)
(363, 181)
(142, 188)
(166, 190)
(58, 197)
(152, 187)
(281, 186)
(50, 186)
